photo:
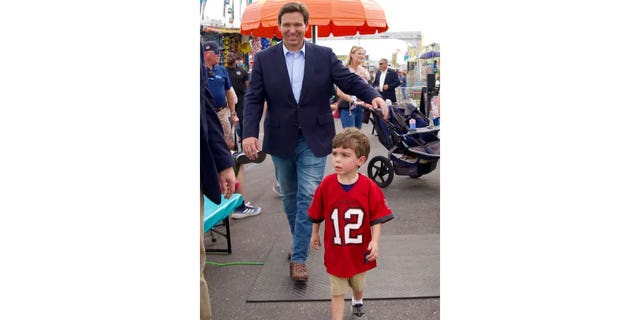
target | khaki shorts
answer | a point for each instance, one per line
(224, 116)
(340, 286)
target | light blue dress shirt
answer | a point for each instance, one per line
(295, 67)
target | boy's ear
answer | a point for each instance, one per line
(362, 160)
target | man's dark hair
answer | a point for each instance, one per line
(294, 7)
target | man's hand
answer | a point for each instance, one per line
(227, 180)
(379, 103)
(250, 147)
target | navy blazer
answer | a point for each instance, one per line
(391, 80)
(285, 119)
(214, 152)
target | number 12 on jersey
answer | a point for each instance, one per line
(337, 239)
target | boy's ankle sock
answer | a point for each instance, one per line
(354, 301)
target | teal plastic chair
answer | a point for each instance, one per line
(217, 216)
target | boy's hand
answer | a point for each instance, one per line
(373, 251)
(315, 241)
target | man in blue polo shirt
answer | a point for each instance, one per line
(220, 87)
(225, 106)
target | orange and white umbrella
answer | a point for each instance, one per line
(336, 17)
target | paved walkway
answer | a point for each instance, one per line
(416, 206)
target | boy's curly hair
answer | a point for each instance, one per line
(352, 138)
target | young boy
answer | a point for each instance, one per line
(354, 207)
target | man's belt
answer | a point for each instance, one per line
(217, 109)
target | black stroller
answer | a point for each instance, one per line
(412, 152)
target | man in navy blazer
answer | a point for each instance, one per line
(295, 78)
(389, 83)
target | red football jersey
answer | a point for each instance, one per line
(349, 217)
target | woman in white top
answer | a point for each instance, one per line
(350, 107)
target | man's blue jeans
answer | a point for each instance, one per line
(299, 177)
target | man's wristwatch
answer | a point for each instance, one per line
(233, 114)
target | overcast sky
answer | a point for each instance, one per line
(407, 16)
(401, 16)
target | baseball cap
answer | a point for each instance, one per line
(212, 46)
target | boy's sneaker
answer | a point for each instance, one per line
(276, 188)
(241, 158)
(245, 210)
(357, 312)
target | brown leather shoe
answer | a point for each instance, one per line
(298, 272)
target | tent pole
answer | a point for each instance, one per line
(203, 3)
(314, 33)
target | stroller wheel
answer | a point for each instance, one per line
(380, 170)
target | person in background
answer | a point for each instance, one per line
(239, 81)
(298, 126)
(216, 173)
(372, 70)
(386, 81)
(355, 209)
(220, 87)
(350, 107)
(403, 84)
(225, 99)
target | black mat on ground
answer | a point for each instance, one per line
(409, 267)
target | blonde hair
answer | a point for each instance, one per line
(353, 50)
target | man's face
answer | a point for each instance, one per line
(383, 65)
(211, 57)
(231, 59)
(293, 28)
